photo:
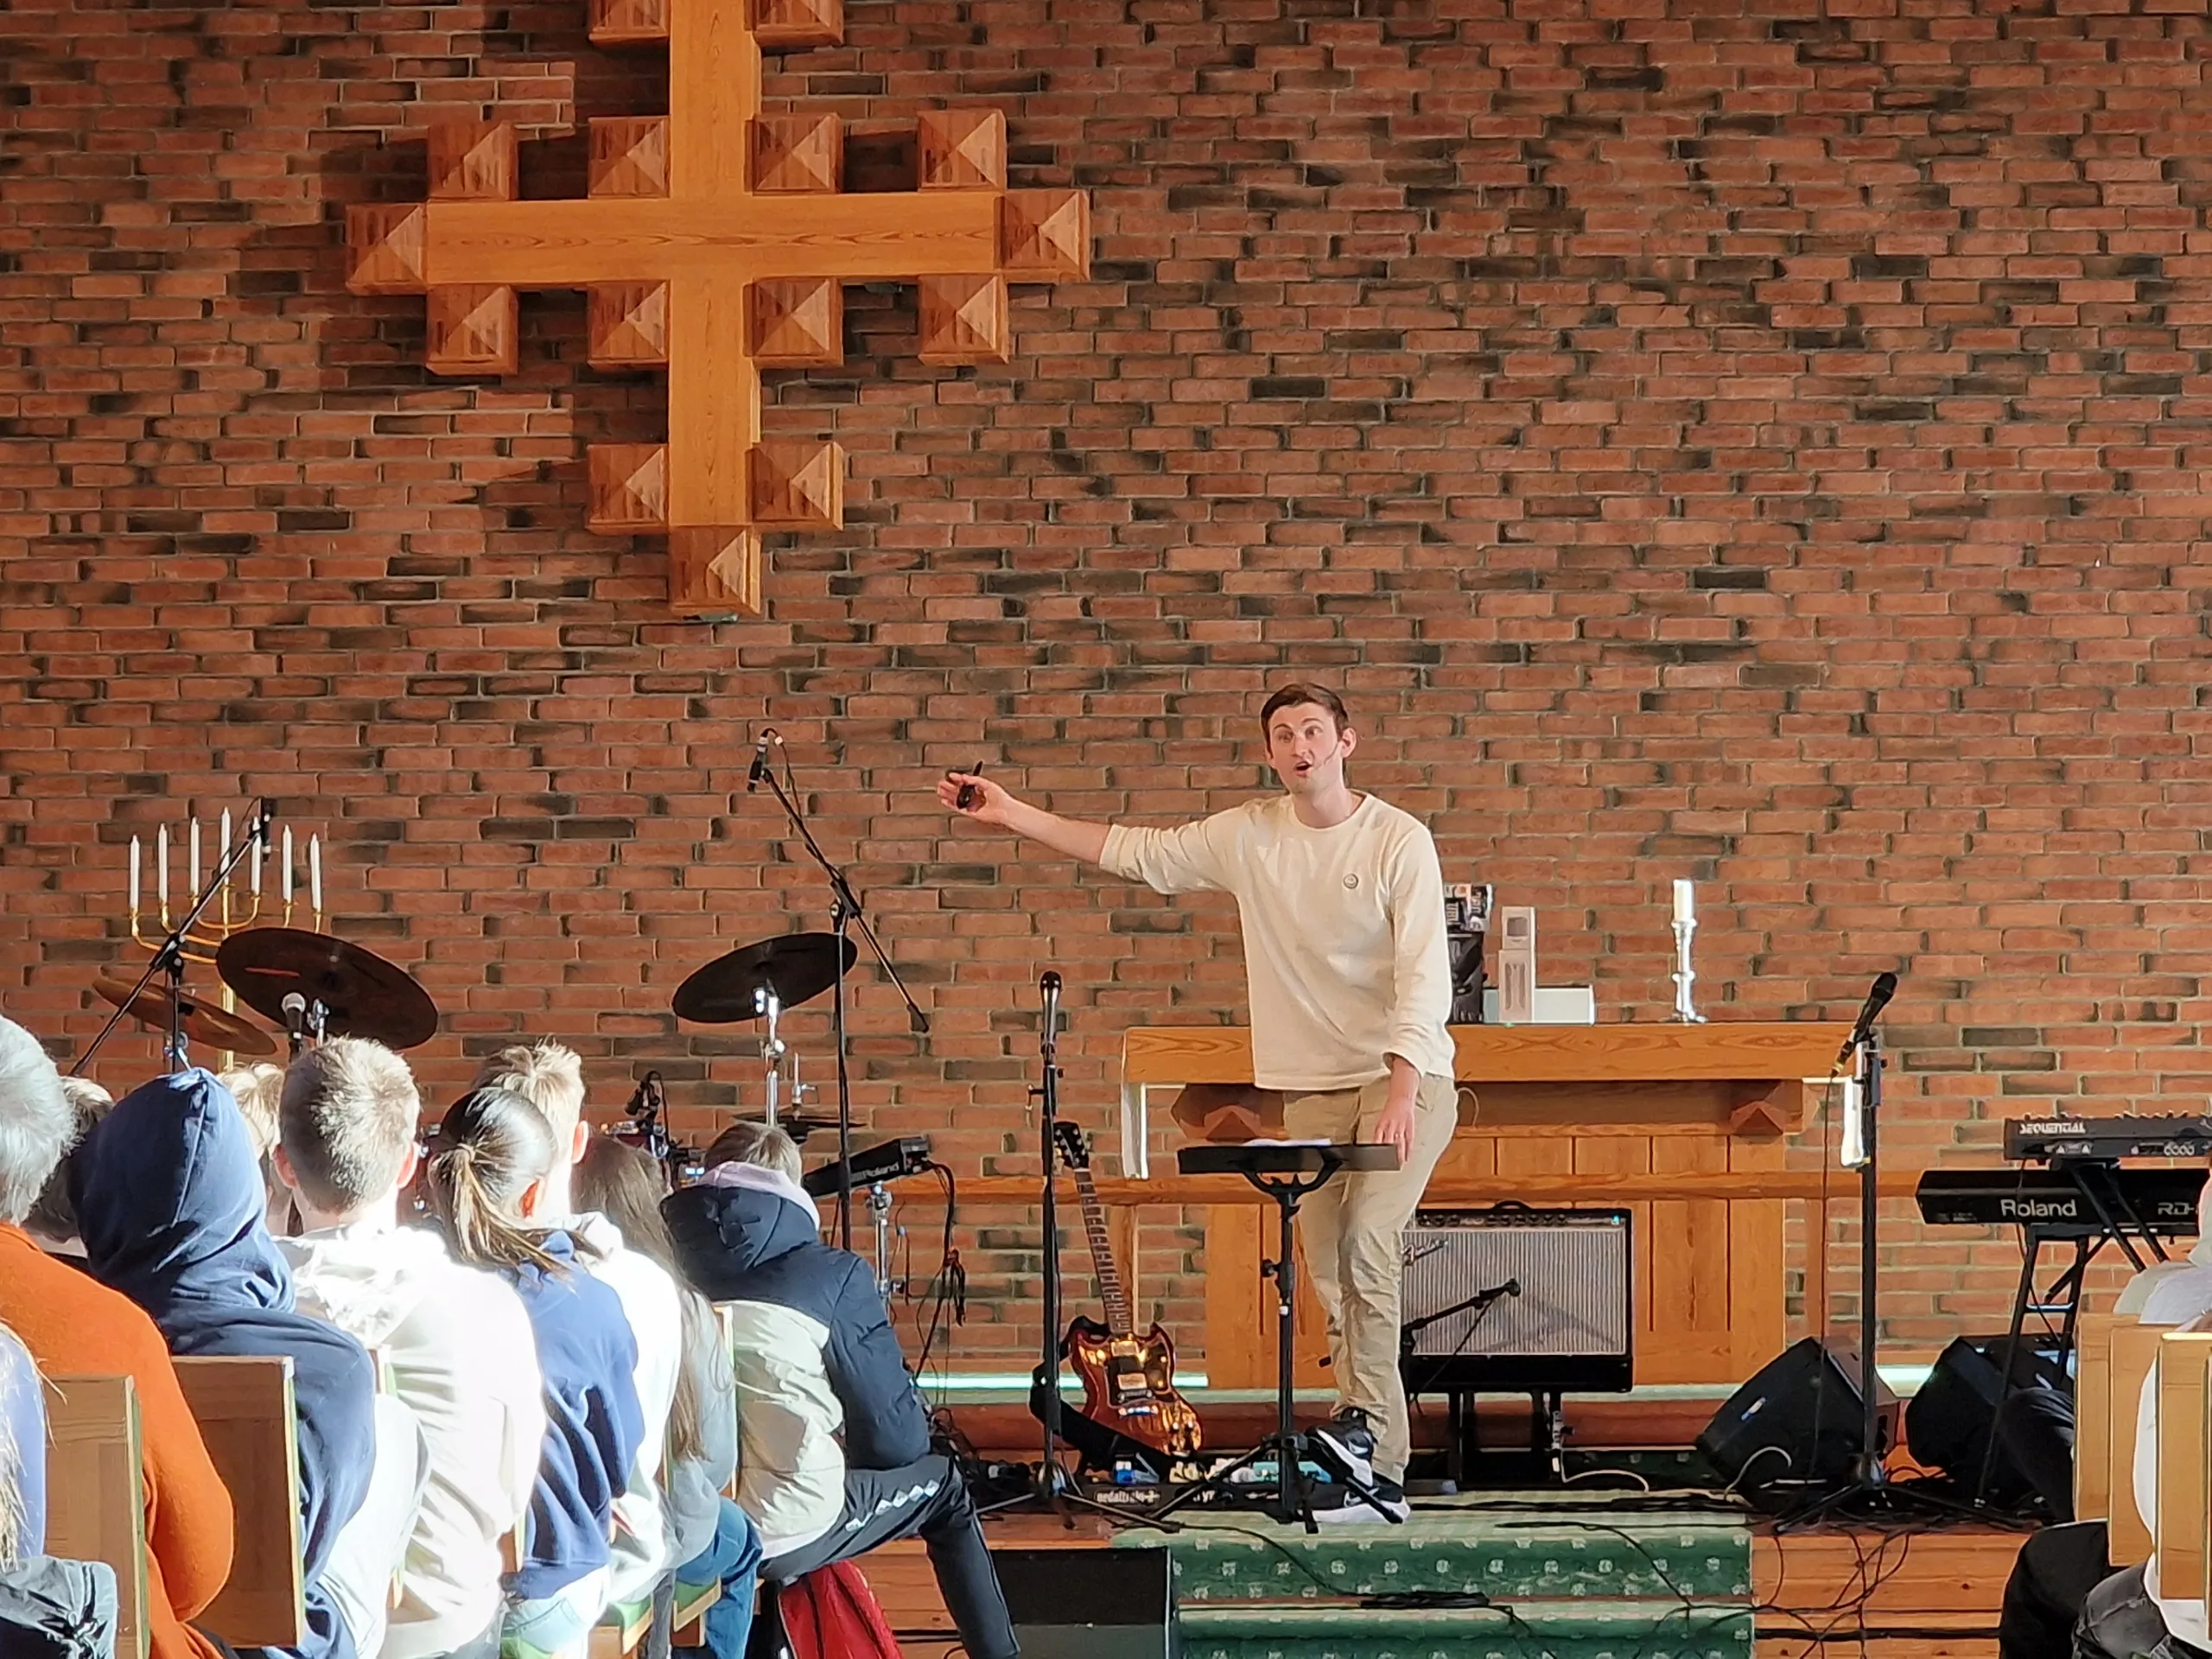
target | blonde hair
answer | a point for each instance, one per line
(257, 1088)
(347, 1117)
(623, 1182)
(763, 1145)
(549, 1075)
(12, 1518)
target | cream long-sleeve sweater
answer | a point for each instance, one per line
(1345, 950)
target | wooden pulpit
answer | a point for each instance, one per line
(1684, 1124)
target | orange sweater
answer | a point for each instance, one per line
(75, 1326)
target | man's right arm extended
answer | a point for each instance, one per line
(1187, 859)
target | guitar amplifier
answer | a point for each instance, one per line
(1510, 1299)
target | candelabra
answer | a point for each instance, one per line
(227, 910)
(1685, 975)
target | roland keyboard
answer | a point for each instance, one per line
(2037, 1140)
(2160, 1202)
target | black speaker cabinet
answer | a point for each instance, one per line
(1090, 1604)
(1795, 1427)
(1948, 1423)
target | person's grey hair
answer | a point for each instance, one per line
(36, 1124)
(345, 1120)
(55, 1216)
(760, 1144)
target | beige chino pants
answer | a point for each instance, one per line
(1351, 1234)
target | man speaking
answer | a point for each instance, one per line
(1341, 901)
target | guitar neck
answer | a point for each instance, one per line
(1110, 1290)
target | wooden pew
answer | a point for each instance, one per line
(244, 1409)
(2184, 1358)
(620, 1630)
(690, 1619)
(2093, 1409)
(95, 1495)
(2134, 1353)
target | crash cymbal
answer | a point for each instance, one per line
(797, 967)
(203, 1022)
(362, 995)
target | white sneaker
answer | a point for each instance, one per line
(1356, 1510)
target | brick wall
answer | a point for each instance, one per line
(1761, 444)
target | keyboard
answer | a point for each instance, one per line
(2158, 1201)
(2036, 1140)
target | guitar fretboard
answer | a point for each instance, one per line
(1110, 1290)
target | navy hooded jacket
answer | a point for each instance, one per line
(170, 1204)
(593, 1421)
(743, 1244)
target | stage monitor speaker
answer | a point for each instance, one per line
(1090, 1603)
(1948, 1423)
(1793, 1431)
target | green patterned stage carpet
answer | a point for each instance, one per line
(1570, 1578)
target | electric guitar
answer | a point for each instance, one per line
(1129, 1381)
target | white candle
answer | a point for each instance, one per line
(314, 874)
(1685, 902)
(134, 875)
(254, 860)
(162, 869)
(223, 857)
(195, 892)
(288, 864)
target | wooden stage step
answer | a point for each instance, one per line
(1932, 1595)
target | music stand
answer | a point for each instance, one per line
(1285, 1172)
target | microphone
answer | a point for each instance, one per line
(760, 762)
(295, 1016)
(1050, 985)
(1878, 998)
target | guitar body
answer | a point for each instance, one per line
(1129, 1387)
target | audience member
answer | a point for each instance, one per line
(487, 1179)
(455, 1341)
(550, 1076)
(49, 1609)
(715, 1542)
(74, 1325)
(169, 1202)
(2063, 1595)
(817, 1363)
(258, 1087)
(53, 1219)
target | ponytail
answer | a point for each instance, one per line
(492, 1145)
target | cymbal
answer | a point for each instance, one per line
(362, 995)
(797, 967)
(203, 1022)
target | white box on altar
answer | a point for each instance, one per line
(1552, 1004)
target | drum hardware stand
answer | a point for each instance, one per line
(767, 1006)
(845, 912)
(879, 1213)
(169, 954)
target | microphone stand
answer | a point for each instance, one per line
(1870, 1488)
(1054, 1489)
(844, 911)
(168, 955)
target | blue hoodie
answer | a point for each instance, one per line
(170, 1204)
(593, 1421)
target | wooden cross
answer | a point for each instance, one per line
(714, 244)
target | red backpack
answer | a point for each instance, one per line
(830, 1614)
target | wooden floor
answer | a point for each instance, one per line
(1924, 1596)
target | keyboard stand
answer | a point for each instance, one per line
(1285, 1173)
